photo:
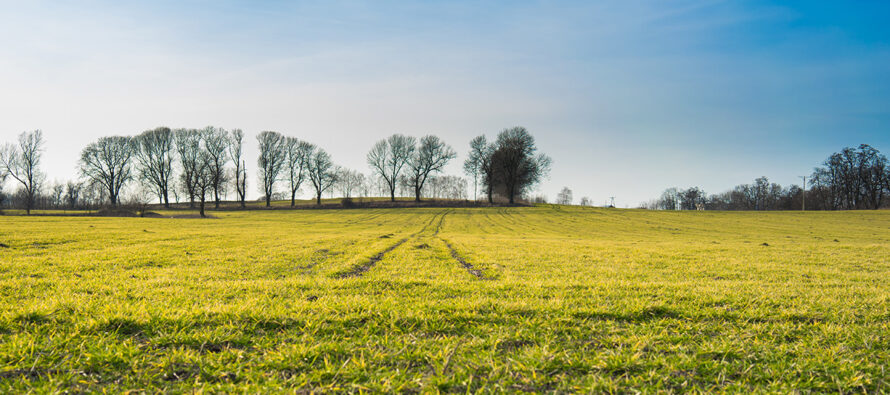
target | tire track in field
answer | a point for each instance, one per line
(439, 225)
(359, 270)
(454, 254)
(322, 255)
(467, 265)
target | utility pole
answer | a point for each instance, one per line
(803, 206)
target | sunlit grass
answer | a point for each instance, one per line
(566, 299)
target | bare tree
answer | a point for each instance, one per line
(321, 172)
(564, 196)
(516, 166)
(188, 145)
(693, 198)
(271, 161)
(216, 142)
(585, 201)
(107, 162)
(388, 157)
(297, 155)
(58, 193)
(670, 199)
(446, 187)
(430, 157)
(486, 165)
(852, 179)
(153, 150)
(205, 175)
(349, 181)
(3, 177)
(22, 163)
(479, 155)
(236, 152)
(72, 193)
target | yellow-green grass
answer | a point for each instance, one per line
(556, 299)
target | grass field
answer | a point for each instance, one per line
(542, 299)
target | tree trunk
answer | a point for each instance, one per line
(268, 200)
(475, 189)
(293, 195)
(392, 194)
(416, 194)
(202, 207)
(318, 199)
(243, 192)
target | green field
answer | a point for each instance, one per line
(541, 299)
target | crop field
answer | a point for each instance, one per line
(539, 299)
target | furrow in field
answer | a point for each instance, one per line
(359, 270)
(467, 265)
(454, 254)
(441, 219)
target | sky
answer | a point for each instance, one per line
(628, 97)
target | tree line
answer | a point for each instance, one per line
(854, 178)
(204, 165)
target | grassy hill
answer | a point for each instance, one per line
(540, 299)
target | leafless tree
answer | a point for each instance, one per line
(3, 197)
(388, 157)
(236, 152)
(693, 198)
(430, 157)
(516, 165)
(478, 158)
(367, 186)
(22, 163)
(138, 200)
(564, 196)
(480, 166)
(321, 172)
(72, 193)
(670, 199)
(92, 194)
(205, 175)
(349, 182)
(405, 186)
(852, 179)
(216, 142)
(107, 162)
(271, 161)
(447, 187)
(154, 150)
(58, 194)
(585, 201)
(188, 146)
(297, 155)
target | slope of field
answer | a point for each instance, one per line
(493, 299)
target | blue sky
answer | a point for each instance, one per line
(628, 97)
